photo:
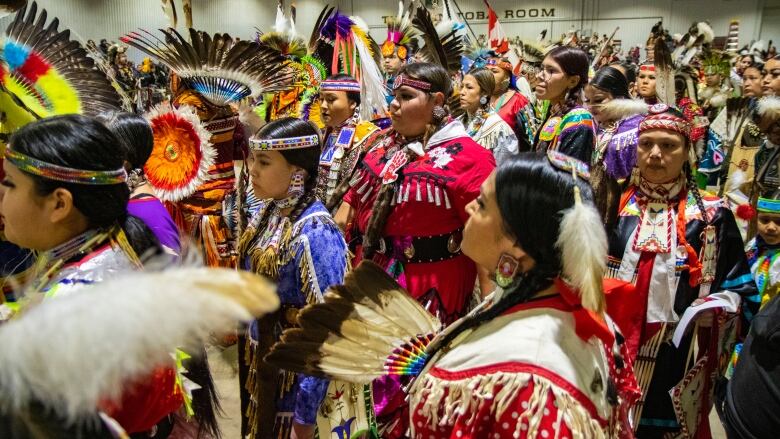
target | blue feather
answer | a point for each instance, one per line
(15, 54)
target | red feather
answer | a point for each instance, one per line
(34, 67)
(745, 211)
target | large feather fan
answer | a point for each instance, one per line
(71, 353)
(47, 72)
(217, 67)
(366, 328)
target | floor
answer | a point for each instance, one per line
(226, 378)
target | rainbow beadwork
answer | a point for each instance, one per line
(409, 358)
(285, 143)
(51, 171)
(340, 85)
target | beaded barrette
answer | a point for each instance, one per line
(768, 205)
(51, 171)
(568, 164)
(285, 143)
(340, 85)
(400, 81)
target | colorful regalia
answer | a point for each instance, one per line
(424, 254)
(515, 108)
(519, 365)
(676, 248)
(492, 132)
(533, 371)
(765, 266)
(304, 252)
(36, 82)
(572, 133)
(209, 73)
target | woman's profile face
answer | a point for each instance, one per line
(484, 239)
(270, 174)
(470, 94)
(23, 212)
(412, 110)
(751, 82)
(595, 98)
(553, 81)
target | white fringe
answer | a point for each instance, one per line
(446, 401)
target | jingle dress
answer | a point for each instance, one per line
(663, 245)
(545, 368)
(304, 256)
(421, 240)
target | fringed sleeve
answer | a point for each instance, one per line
(321, 258)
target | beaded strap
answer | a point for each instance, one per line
(401, 81)
(285, 143)
(340, 85)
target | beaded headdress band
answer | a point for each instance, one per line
(346, 85)
(285, 143)
(51, 171)
(768, 205)
(506, 65)
(659, 119)
(402, 80)
(647, 68)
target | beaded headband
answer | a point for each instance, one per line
(285, 143)
(658, 118)
(347, 85)
(568, 164)
(647, 68)
(51, 171)
(768, 205)
(506, 65)
(400, 81)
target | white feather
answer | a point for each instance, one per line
(372, 85)
(769, 106)
(617, 109)
(584, 255)
(706, 30)
(72, 352)
(280, 24)
(735, 180)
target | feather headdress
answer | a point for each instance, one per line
(364, 329)
(692, 43)
(664, 66)
(8, 7)
(182, 154)
(111, 333)
(400, 34)
(49, 74)
(217, 67)
(738, 110)
(345, 43)
(444, 49)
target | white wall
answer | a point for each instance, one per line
(95, 19)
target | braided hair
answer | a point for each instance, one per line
(573, 62)
(528, 179)
(440, 82)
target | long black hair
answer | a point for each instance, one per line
(134, 134)
(529, 179)
(573, 62)
(83, 142)
(611, 80)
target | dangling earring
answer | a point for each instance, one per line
(439, 113)
(483, 100)
(506, 270)
(355, 116)
(294, 191)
